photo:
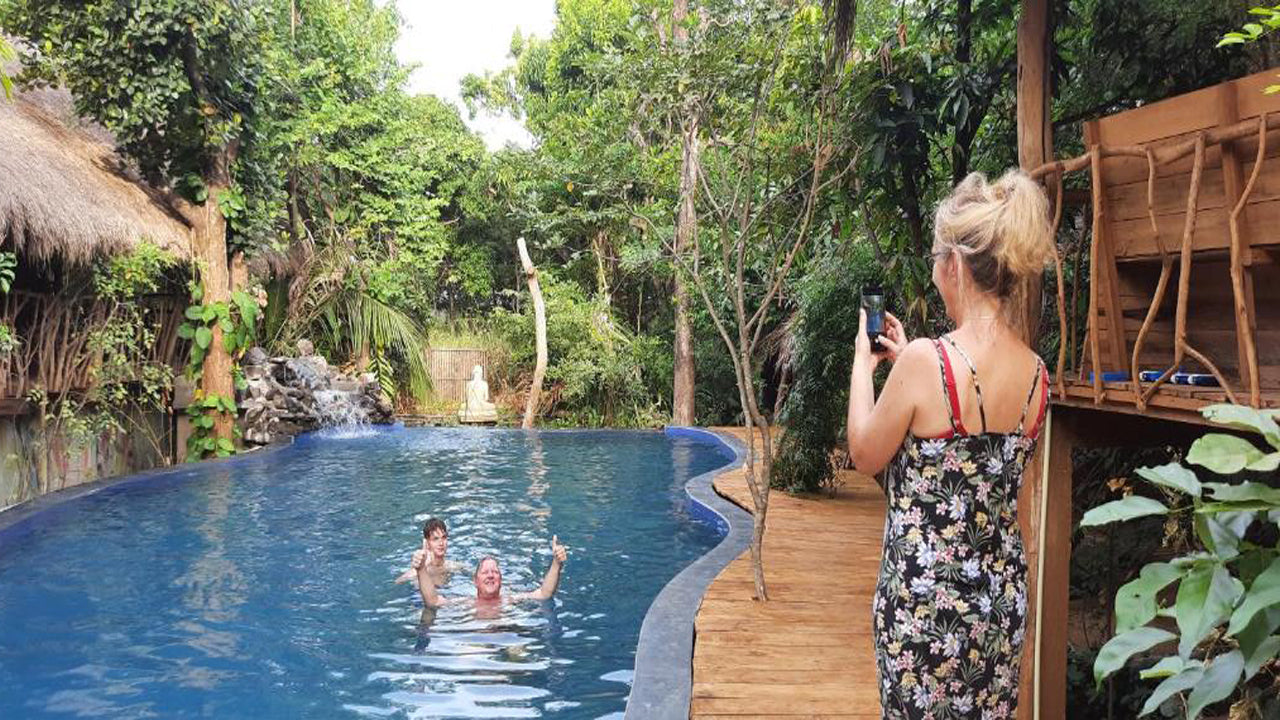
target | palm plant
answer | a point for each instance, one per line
(7, 55)
(314, 294)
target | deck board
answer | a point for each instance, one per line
(807, 652)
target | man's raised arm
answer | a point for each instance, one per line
(552, 579)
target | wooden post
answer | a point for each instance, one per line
(1054, 569)
(1035, 147)
(540, 325)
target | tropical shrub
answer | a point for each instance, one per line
(1225, 612)
(814, 413)
(598, 371)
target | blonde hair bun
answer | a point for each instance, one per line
(1002, 229)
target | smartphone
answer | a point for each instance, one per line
(873, 303)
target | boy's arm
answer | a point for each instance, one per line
(419, 560)
(427, 589)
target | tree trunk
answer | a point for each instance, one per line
(540, 324)
(209, 246)
(682, 400)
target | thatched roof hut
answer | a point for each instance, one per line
(64, 194)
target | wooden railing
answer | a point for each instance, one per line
(1138, 164)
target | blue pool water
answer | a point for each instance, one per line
(262, 587)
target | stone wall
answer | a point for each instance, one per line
(29, 468)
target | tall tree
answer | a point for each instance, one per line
(685, 385)
(180, 85)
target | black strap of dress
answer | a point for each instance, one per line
(973, 370)
(1041, 373)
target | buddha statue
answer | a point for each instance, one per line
(476, 408)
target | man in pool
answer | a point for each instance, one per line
(488, 582)
(435, 543)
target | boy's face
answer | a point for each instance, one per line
(438, 543)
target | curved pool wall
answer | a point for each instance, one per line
(663, 684)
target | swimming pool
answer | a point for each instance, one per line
(262, 587)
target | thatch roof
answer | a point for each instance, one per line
(64, 194)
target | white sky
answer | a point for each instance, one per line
(450, 39)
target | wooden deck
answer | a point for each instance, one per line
(807, 652)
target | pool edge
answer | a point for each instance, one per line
(662, 686)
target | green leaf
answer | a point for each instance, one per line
(1120, 648)
(1167, 667)
(1186, 679)
(1264, 654)
(1174, 476)
(195, 312)
(1243, 492)
(1253, 640)
(226, 444)
(1267, 463)
(1134, 506)
(186, 332)
(1223, 454)
(1245, 418)
(1230, 40)
(1205, 598)
(203, 337)
(1222, 532)
(1136, 599)
(1263, 593)
(1219, 681)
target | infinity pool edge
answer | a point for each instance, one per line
(662, 686)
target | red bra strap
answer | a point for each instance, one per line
(949, 383)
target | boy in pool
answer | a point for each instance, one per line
(488, 582)
(431, 557)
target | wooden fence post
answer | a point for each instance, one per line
(540, 322)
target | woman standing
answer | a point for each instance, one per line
(955, 425)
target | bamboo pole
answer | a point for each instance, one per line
(540, 326)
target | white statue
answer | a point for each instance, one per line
(477, 408)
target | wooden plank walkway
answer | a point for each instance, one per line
(807, 652)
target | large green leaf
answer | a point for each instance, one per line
(1206, 596)
(1220, 680)
(1253, 638)
(1245, 418)
(1223, 454)
(1221, 532)
(1136, 599)
(1174, 476)
(1120, 648)
(1134, 506)
(1186, 679)
(1243, 492)
(203, 337)
(1267, 463)
(1262, 655)
(1263, 593)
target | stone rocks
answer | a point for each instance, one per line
(286, 396)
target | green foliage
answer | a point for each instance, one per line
(237, 320)
(7, 55)
(827, 321)
(1268, 19)
(8, 266)
(126, 381)
(598, 372)
(1227, 603)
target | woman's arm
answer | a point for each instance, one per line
(874, 430)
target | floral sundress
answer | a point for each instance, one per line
(951, 601)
